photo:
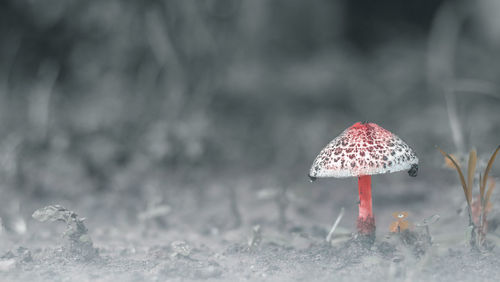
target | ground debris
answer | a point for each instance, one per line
(79, 244)
(22, 255)
(10, 260)
(256, 238)
(180, 248)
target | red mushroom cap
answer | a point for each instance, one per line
(363, 149)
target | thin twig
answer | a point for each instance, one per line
(337, 221)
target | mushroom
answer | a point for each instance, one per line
(362, 150)
(401, 223)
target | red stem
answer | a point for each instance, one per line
(366, 220)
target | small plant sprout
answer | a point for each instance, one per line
(479, 208)
(362, 150)
(79, 244)
(425, 224)
(401, 223)
(256, 238)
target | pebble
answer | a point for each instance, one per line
(180, 248)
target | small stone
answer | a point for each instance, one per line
(398, 258)
(24, 254)
(180, 248)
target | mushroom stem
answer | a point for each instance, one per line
(366, 221)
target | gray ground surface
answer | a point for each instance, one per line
(212, 239)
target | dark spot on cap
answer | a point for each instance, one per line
(384, 158)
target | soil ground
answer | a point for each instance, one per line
(203, 231)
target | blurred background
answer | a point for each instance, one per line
(137, 102)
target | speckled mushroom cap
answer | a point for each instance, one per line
(363, 149)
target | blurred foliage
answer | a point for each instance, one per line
(93, 90)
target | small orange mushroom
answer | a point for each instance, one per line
(400, 224)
